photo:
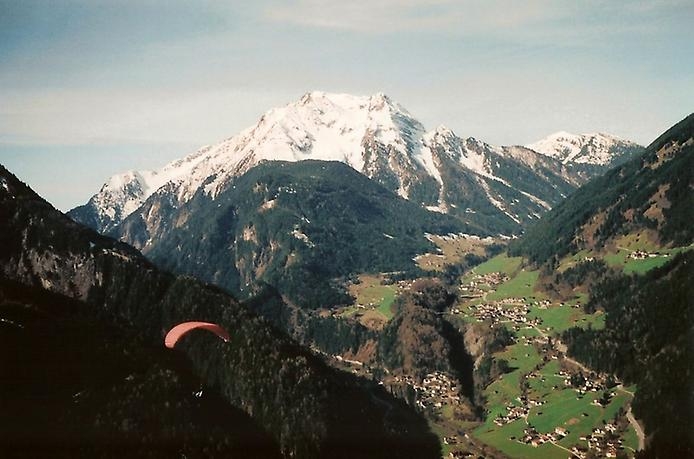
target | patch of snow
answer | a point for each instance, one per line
(536, 200)
(302, 237)
(512, 217)
(498, 204)
(439, 208)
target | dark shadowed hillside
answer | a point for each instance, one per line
(310, 410)
(74, 385)
(649, 340)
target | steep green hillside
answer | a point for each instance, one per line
(623, 241)
(652, 192)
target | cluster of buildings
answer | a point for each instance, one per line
(542, 304)
(499, 312)
(474, 287)
(602, 442)
(641, 255)
(437, 389)
(591, 383)
(514, 411)
(534, 438)
(460, 454)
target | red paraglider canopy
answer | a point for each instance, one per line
(181, 329)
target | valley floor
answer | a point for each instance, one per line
(546, 404)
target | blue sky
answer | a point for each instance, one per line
(89, 88)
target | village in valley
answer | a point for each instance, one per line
(546, 404)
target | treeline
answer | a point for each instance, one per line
(330, 334)
(648, 340)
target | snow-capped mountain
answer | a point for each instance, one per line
(497, 188)
(595, 148)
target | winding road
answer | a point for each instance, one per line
(637, 428)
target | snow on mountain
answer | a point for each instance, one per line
(374, 135)
(595, 148)
(330, 127)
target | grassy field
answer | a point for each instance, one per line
(631, 440)
(451, 250)
(560, 318)
(572, 260)
(630, 243)
(370, 292)
(505, 389)
(505, 439)
(563, 406)
(500, 438)
(388, 298)
(501, 263)
(522, 285)
(618, 256)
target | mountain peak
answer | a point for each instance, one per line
(595, 148)
(443, 130)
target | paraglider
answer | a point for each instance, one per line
(181, 329)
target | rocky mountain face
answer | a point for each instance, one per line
(309, 409)
(498, 189)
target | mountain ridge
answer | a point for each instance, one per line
(374, 135)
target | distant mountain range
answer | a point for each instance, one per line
(497, 189)
(314, 191)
